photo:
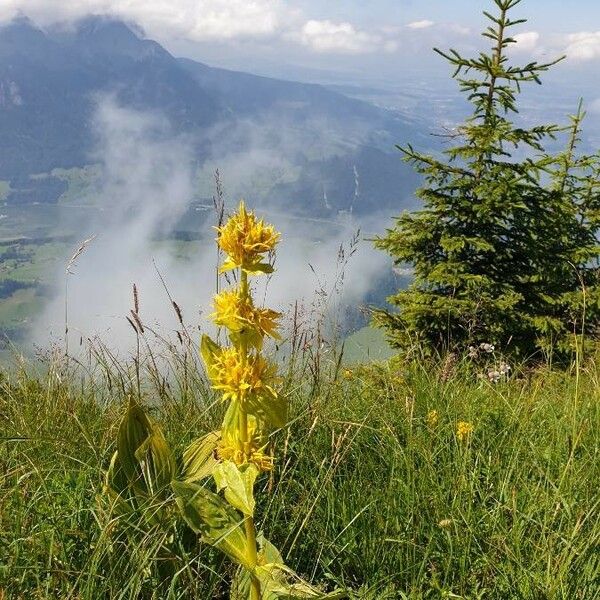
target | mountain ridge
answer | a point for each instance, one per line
(50, 78)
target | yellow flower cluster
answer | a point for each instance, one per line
(245, 239)
(238, 375)
(239, 371)
(463, 430)
(238, 313)
(241, 453)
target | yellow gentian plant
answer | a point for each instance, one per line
(236, 455)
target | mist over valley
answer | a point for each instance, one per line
(107, 134)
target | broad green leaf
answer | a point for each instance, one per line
(216, 521)
(156, 461)
(116, 479)
(240, 585)
(238, 483)
(232, 417)
(117, 488)
(269, 408)
(249, 336)
(143, 453)
(256, 268)
(227, 266)
(135, 428)
(268, 552)
(199, 457)
(139, 505)
(231, 421)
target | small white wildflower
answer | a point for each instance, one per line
(473, 352)
(489, 348)
(504, 368)
(494, 376)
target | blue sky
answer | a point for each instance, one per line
(552, 14)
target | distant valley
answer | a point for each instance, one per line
(51, 82)
(104, 131)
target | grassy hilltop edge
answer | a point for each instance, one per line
(382, 488)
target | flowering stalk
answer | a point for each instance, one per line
(245, 240)
(235, 455)
(246, 380)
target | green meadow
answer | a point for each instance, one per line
(374, 490)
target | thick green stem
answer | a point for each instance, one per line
(249, 522)
(255, 591)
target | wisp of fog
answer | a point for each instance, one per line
(147, 184)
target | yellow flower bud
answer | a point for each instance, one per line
(433, 418)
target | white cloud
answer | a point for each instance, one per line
(526, 41)
(142, 162)
(343, 38)
(454, 28)
(424, 24)
(230, 18)
(583, 46)
(193, 19)
(212, 20)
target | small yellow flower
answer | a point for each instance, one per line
(463, 430)
(348, 374)
(245, 239)
(433, 418)
(445, 523)
(239, 315)
(238, 378)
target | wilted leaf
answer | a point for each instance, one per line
(275, 585)
(279, 581)
(240, 585)
(216, 521)
(238, 483)
(209, 350)
(199, 457)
